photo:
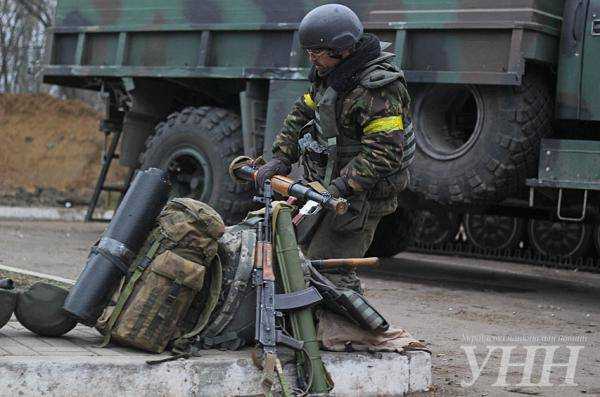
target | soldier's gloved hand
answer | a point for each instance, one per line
(339, 188)
(275, 166)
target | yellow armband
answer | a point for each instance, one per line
(309, 101)
(384, 124)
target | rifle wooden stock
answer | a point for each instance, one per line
(349, 262)
(281, 184)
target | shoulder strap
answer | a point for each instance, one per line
(238, 286)
(137, 273)
(326, 115)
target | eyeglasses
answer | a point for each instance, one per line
(317, 52)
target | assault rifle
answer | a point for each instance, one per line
(269, 304)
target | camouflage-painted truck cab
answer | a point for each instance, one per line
(192, 84)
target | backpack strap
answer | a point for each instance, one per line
(137, 273)
(236, 292)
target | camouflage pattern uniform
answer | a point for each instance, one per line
(371, 146)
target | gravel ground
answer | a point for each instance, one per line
(453, 317)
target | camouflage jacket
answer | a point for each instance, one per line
(373, 116)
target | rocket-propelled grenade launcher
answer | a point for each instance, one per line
(242, 169)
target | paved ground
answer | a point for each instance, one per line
(82, 341)
(437, 299)
(57, 248)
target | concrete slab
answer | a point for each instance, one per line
(74, 365)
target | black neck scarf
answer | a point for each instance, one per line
(343, 77)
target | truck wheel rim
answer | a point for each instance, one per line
(435, 228)
(493, 232)
(557, 238)
(191, 174)
(449, 120)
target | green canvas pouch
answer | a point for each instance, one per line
(39, 309)
(8, 301)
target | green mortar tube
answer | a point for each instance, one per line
(302, 321)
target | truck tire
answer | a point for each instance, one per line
(196, 145)
(478, 143)
(393, 235)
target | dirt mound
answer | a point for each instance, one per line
(49, 146)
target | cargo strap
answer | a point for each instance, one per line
(137, 273)
(193, 352)
(271, 366)
(285, 387)
(236, 292)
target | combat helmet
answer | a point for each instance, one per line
(331, 26)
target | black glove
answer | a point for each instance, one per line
(339, 188)
(275, 166)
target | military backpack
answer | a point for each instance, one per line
(232, 323)
(163, 299)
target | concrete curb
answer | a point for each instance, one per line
(215, 373)
(35, 275)
(49, 214)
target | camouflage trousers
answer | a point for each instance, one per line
(328, 242)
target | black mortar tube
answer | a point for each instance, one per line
(110, 259)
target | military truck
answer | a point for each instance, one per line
(505, 103)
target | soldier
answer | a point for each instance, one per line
(350, 132)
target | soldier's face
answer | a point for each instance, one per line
(322, 60)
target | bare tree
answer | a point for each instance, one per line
(23, 26)
(38, 9)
